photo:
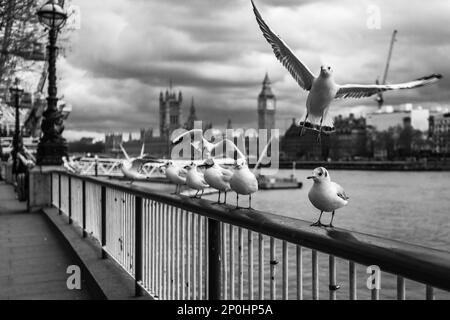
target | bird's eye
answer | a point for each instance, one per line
(320, 174)
(329, 68)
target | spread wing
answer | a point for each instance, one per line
(284, 54)
(362, 91)
(340, 191)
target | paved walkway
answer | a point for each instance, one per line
(33, 262)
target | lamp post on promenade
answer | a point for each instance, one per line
(52, 146)
(16, 93)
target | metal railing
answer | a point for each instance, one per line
(176, 247)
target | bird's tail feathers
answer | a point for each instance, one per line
(313, 123)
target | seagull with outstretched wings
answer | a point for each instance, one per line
(322, 89)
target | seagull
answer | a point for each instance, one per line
(322, 89)
(243, 181)
(174, 174)
(217, 177)
(195, 179)
(326, 195)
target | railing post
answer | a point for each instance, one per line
(103, 207)
(51, 190)
(214, 259)
(59, 194)
(138, 245)
(70, 199)
(83, 191)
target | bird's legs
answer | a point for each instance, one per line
(195, 196)
(320, 130)
(176, 190)
(249, 201)
(218, 199)
(203, 191)
(225, 200)
(302, 131)
(318, 223)
(237, 200)
(331, 223)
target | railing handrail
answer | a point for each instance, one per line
(415, 262)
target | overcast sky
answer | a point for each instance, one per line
(127, 50)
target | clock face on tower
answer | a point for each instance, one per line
(270, 104)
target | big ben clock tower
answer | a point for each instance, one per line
(266, 106)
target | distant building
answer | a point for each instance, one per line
(306, 147)
(388, 117)
(169, 112)
(192, 117)
(350, 140)
(113, 141)
(440, 132)
(266, 106)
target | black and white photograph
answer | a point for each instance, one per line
(225, 156)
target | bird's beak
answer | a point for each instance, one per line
(310, 177)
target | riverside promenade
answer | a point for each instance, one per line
(33, 260)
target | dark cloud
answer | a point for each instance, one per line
(127, 50)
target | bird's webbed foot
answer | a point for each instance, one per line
(317, 224)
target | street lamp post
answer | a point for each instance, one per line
(52, 146)
(16, 92)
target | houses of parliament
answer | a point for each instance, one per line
(170, 119)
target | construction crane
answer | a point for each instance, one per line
(379, 97)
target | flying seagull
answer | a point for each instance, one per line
(322, 89)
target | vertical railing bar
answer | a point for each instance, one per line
(241, 264)
(232, 270)
(70, 199)
(224, 262)
(401, 295)
(315, 276)
(285, 274)
(178, 250)
(429, 292)
(83, 188)
(332, 277)
(200, 256)
(172, 252)
(153, 246)
(194, 258)
(299, 273)
(103, 222)
(183, 252)
(145, 246)
(207, 258)
(352, 281)
(166, 252)
(261, 266)
(138, 245)
(159, 251)
(214, 257)
(273, 264)
(188, 256)
(59, 193)
(250, 264)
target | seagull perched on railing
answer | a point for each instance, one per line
(195, 179)
(243, 181)
(322, 89)
(326, 195)
(217, 178)
(175, 174)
